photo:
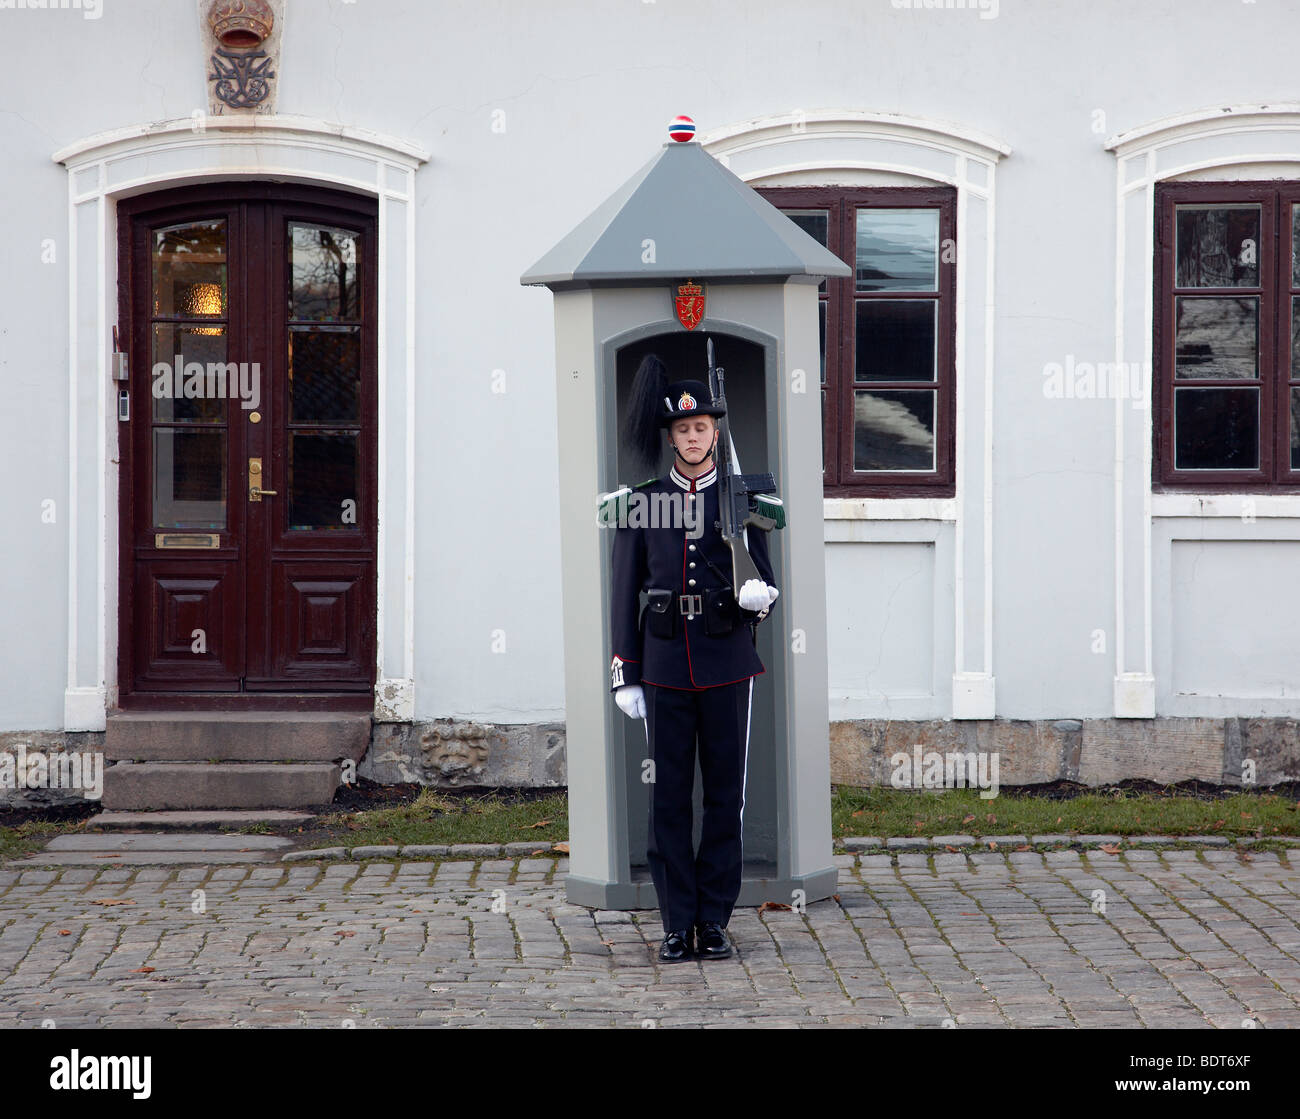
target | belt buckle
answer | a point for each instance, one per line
(690, 604)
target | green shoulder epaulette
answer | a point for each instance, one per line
(612, 507)
(767, 508)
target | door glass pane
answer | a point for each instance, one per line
(323, 480)
(191, 380)
(895, 340)
(324, 284)
(324, 374)
(189, 479)
(893, 430)
(897, 250)
(189, 270)
(1217, 246)
(1216, 429)
(1216, 337)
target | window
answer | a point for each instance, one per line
(887, 336)
(1226, 351)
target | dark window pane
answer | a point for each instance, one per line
(1217, 246)
(189, 479)
(1295, 246)
(325, 285)
(1295, 336)
(324, 374)
(1216, 429)
(323, 481)
(815, 223)
(895, 339)
(897, 250)
(189, 270)
(205, 381)
(1295, 429)
(893, 430)
(821, 335)
(1216, 337)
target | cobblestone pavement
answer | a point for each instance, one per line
(1018, 939)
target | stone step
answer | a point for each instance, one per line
(159, 786)
(182, 820)
(237, 736)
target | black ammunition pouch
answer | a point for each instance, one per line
(721, 614)
(660, 613)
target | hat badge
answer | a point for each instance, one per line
(686, 402)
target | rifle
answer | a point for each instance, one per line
(735, 508)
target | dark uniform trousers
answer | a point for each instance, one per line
(696, 889)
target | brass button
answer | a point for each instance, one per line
(254, 417)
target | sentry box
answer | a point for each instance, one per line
(685, 251)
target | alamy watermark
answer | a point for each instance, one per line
(22, 768)
(929, 769)
(89, 9)
(218, 380)
(988, 9)
(629, 508)
(1102, 380)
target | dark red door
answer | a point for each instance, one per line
(248, 462)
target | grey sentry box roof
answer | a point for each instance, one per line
(683, 217)
(706, 224)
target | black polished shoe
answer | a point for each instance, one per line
(712, 941)
(676, 946)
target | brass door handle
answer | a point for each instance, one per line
(255, 490)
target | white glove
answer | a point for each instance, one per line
(631, 700)
(756, 595)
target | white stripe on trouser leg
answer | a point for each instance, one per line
(744, 769)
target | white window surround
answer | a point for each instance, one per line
(849, 147)
(1244, 142)
(135, 160)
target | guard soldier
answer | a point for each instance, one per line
(687, 664)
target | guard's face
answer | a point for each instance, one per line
(694, 438)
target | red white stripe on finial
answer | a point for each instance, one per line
(681, 129)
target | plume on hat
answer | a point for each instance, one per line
(641, 425)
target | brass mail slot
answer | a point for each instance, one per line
(187, 540)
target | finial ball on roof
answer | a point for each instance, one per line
(681, 129)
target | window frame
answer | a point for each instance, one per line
(1276, 378)
(839, 478)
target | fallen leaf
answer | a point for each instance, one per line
(144, 969)
(344, 932)
(65, 932)
(111, 901)
(993, 845)
(539, 824)
(836, 896)
(967, 819)
(773, 905)
(608, 943)
(1024, 847)
(859, 812)
(563, 848)
(1110, 848)
(533, 854)
(991, 818)
(949, 847)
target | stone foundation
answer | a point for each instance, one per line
(1095, 752)
(1089, 751)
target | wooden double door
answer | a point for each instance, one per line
(247, 477)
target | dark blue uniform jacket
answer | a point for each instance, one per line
(665, 555)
